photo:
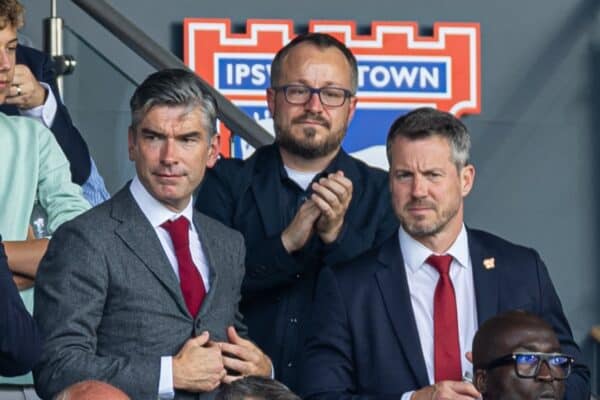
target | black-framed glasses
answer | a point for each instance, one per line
(528, 364)
(330, 96)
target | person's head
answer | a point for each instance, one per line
(172, 137)
(516, 356)
(312, 124)
(92, 390)
(11, 19)
(430, 174)
(255, 388)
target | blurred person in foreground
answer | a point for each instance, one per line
(517, 356)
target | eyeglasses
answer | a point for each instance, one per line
(301, 94)
(527, 364)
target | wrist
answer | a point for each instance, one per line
(331, 235)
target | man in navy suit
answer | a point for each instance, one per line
(398, 321)
(19, 340)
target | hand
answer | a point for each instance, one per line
(25, 91)
(447, 390)
(332, 196)
(198, 367)
(243, 356)
(295, 236)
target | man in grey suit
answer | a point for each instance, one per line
(131, 292)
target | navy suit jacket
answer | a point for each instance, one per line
(19, 340)
(364, 342)
(68, 137)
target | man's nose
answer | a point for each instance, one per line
(168, 152)
(544, 372)
(314, 103)
(419, 187)
(5, 60)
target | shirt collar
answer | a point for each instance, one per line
(415, 253)
(334, 165)
(153, 209)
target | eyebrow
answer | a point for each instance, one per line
(161, 134)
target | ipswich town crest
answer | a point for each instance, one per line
(398, 70)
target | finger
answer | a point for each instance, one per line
(324, 206)
(230, 378)
(239, 366)
(329, 191)
(237, 339)
(465, 389)
(341, 180)
(239, 352)
(308, 212)
(469, 356)
(200, 340)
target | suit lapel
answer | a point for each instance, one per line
(208, 242)
(265, 187)
(137, 233)
(485, 278)
(396, 296)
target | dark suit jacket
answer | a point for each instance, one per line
(109, 304)
(364, 341)
(68, 137)
(20, 344)
(278, 287)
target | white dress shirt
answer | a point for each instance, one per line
(46, 112)
(157, 214)
(423, 278)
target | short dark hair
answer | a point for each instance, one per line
(173, 88)
(425, 122)
(11, 13)
(321, 41)
(257, 388)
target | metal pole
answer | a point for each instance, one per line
(53, 39)
(236, 120)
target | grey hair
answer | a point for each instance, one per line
(425, 122)
(173, 88)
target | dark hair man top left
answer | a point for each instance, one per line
(147, 297)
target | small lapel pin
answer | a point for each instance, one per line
(489, 263)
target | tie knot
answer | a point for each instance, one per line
(178, 230)
(441, 263)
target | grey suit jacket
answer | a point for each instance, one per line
(109, 304)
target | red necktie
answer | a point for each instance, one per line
(190, 280)
(446, 347)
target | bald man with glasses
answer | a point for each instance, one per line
(516, 355)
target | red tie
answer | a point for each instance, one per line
(446, 348)
(190, 280)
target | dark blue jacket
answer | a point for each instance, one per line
(20, 344)
(364, 343)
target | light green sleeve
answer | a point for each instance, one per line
(59, 197)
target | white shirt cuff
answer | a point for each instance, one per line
(165, 384)
(406, 396)
(46, 112)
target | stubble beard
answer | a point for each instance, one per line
(307, 147)
(419, 230)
